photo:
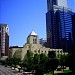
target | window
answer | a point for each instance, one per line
(27, 51)
(34, 41)
(35, 51)
(42, 51)
(38, 51)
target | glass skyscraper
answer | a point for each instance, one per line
(59, 25)
(50, 3)
(73, 30)
(62, 3)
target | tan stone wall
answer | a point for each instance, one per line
(35, 48)
(30, 39)
(14, 50)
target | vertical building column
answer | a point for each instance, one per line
(3, 41)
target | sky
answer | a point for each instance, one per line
(23, 16)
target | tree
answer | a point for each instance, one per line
(63, 60)
(41, 60)
(51, 54)
(36, 61)
(71, 61)
(28, 62)
(52, 64)
(12, 61)
(36, 58)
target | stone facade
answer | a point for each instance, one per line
(33, 45)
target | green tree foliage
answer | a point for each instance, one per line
(40, 69)
(43, 60)
(3, 62)
(36, 58)
(12, 61)
(28, 62)
(51, 54)
(36, 61)
(52, 64)
(63, 60)
(40, 62)
(71, 61)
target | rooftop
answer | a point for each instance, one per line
(3, 25)
(32, 33)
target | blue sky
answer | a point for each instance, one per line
(23, 16)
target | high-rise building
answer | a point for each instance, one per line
(59, 25)
(4, 40)
(43, 42)
(73, 30)
(50, 3)
(62, 3)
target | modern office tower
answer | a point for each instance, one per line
(73, 29)
(62, 3)
(59, 27)
(50, 3)
(4, 39)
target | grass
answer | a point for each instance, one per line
(48, 74)
(67, 71)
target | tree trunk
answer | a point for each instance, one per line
(53, 72)
(63, 68)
